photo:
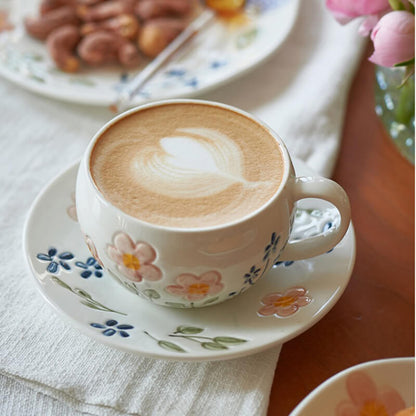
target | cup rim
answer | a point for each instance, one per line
(251, 215)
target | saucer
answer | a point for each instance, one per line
(374, 385)
(287, 301)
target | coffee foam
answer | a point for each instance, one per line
(187, 165)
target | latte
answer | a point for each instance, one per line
(187, 165)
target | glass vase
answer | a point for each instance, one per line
(395, 105)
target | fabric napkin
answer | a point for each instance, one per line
(48, 368)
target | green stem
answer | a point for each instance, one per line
(190, 337)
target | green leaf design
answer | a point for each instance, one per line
(207, 302)
(229, 340)
(60, 282)
(246, 38)
(83, 293)
(82, 81)
(188, 330)
(151, 294)
(92, 305)
(170, 346)
(214, 346)
(175, 304)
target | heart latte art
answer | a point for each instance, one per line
(187, 165)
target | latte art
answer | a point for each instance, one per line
(187, 165)
(200, 162)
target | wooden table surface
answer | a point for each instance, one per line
(374, 318)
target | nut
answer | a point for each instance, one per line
(41, 27)
(150, 9)
(61, 45)
(156, 34)
(126, 25)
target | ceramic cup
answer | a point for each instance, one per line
(199, 267)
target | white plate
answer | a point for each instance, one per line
(221, 53)
(98, 305)
(375, 388)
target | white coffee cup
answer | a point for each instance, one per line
(195, 267)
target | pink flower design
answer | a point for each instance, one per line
(193, 287)
(367, 400)
(284, 304)
(134, 260)
(93, 250)
(72, 209)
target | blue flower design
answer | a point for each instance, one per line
(55, 260)
(176, 72)
(272, 246)
(218, 64)
(252, 276)
(193, 82)
(112, 327)
(285, 263)
(90, 267)
(265, 5)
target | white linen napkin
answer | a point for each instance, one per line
(48, 368)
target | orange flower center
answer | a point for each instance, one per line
(131, 262)
(198, 289)
(373, 408)
(284, 301)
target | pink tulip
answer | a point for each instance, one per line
(394, 39)
(346, 10)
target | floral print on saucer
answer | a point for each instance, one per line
(276, 307)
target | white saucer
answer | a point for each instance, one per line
(372, 388)
(103, 309)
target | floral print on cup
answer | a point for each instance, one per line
(134, 259)
(91, 247)
(284, 304)
(366, 399)
(194, 288)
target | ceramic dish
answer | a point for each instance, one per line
(284, 303)
(222, 52)
(375, 388)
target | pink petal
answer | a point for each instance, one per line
(124, 243)
(196, 296)
(186, 279)
(361, 388)
(346, 10)
(271, 298)
(303, 300)
(144, 252)
(287, 310)
(393, 38)
(176, 290)
(367, 25)
(267, 310)
(210, 278)
(346, 408)
(114, 254)
(150, 272)
(131, 274)
(295, 292)
(391, 400)
(215, 288)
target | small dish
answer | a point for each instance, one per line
(375, 388)
(284, 303)
(223, 52)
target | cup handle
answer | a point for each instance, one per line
(316, 187)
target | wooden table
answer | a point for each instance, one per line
(374, 318)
